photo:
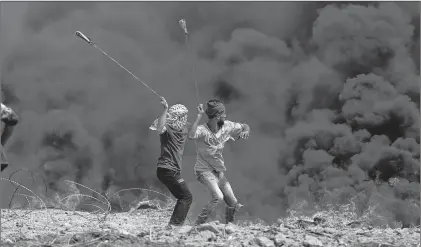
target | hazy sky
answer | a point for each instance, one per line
(11, 14)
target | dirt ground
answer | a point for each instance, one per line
(146, 227)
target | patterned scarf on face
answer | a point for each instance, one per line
(176, 118)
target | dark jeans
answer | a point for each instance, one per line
(178, 188)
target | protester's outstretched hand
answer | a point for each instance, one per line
(164, 103)
(245, 134)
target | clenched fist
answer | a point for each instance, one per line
(164, 103)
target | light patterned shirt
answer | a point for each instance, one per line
(210, 145)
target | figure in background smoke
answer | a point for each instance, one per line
(209, 167)
(8, 121)
(173, 132)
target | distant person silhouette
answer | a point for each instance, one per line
(9, 119)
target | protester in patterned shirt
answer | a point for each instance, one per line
(173, 132)
(8, 121)
(210, 167)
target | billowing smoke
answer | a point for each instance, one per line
(331, 92)
(370, 131)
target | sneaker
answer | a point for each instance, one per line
(179, 229)
(184, 229)
(238, 207)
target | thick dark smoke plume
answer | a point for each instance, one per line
(331, 92)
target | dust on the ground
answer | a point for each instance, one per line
(147, 227)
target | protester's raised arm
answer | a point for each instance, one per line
(163, 117)
(192, 132)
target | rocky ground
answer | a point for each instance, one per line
(146, 227)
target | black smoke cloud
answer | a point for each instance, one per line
(331, 92)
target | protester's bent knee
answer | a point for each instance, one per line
(217, 197)
(187, 199)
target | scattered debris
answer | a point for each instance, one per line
(230, 228)
(264, 242)
(56, 227)
(149, 204)
(311, 241)
(305, 223)
(208, 235)
(208, 227)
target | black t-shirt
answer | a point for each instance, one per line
(172, 148)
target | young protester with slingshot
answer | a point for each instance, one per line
(210, 167)
(173, 133)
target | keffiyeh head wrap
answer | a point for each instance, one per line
(176, 118)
